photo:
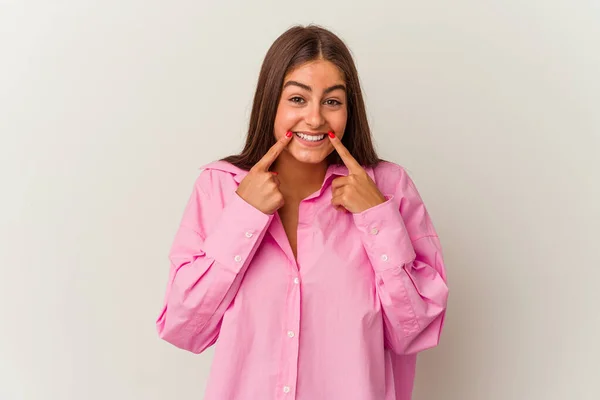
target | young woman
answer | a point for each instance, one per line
(312, 263)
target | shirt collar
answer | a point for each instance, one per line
(342, 170)
(237, 173)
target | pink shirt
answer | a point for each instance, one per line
(345, 321)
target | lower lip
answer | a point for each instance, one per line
(308, 143)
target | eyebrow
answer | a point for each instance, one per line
(309, 89)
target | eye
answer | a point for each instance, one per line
(332, 102)
(297, 100)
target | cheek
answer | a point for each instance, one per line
(285, 119)
(291, 116)
(286, 115)
(338, 123)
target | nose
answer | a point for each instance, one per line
(314, 118)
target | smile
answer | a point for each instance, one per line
(310, 138)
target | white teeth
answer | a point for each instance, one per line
(310, 138)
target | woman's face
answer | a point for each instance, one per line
(313, 102)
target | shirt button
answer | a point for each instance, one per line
(374, 231)
(248, 234)
(296, 281)
(286, 389)
(384, 257)
(237, 258)
(290, 334)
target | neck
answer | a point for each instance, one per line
(298, 179)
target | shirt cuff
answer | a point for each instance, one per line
(384, 236)
(238, 232)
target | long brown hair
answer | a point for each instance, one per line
(293, 48)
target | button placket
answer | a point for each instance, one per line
(288, 376)
(289, 359)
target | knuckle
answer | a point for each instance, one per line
(268, 176)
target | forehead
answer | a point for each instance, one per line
(316, 73)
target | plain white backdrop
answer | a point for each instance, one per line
(108, 108)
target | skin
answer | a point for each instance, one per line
(314, 110)
(313, 100)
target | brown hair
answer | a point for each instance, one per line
(293, 48)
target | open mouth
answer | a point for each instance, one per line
(310, 138)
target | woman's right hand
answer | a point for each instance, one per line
(260, 188)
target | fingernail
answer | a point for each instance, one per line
(289, 134)
(331, 134)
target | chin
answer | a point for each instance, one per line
(309, 156)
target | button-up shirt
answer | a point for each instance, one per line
(342, 320)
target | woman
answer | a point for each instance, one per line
(312, 262)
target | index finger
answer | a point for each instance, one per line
(265, 162)
(353, 166)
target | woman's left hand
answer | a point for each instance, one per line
(356, 192)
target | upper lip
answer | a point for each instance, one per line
(312, 133)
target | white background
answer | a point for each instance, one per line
(108, 108)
